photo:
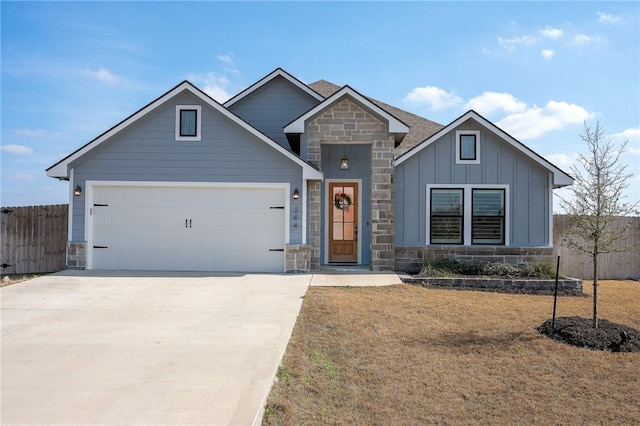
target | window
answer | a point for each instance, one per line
(188, 122)
(487, 224)
(446, 216)
(467, 147)
(468, 214)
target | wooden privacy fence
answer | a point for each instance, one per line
(34, 239)
(612, 266)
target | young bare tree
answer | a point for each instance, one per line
(597, 201)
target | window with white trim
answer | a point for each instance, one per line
(447, 214)
(467, 147)
(188, 122)
(468, 214)
(487, 223)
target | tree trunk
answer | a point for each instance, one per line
(595, 290)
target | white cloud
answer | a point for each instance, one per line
(227, 59)
(551, 32)
(17, 149)
(547, 53)
(103, 75)
(22, 177)
(215, 85)
(537, 121)
(563, 161)
(631, 134)
(607, 18)
(31, 133)
(434, 97)
(511, 43)
(489, 102)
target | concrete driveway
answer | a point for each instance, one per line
(121, 348)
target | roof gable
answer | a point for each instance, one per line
(279, 72)
(395, 125)
(560, 178)
(420, 128)
(60, 169)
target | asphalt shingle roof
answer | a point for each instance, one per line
(419, 127)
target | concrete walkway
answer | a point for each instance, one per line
(353, 277)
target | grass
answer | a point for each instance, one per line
(13, 279)
(411, 355)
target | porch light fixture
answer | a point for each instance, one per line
(77, 191)
(344, 163)
(296, 194)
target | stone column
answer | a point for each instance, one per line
(313, 188)
(382, 226)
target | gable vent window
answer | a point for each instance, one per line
(188, 122)
(467, 147)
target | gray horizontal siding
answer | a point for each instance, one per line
(148, 151)
(500, 164)
(273, 106)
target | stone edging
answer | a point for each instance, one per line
(566, 286)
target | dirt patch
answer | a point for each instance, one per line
(578, 331)
(17, 278)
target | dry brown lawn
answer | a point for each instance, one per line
(411, 355)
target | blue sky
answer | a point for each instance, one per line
(71, 70)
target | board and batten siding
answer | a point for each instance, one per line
(148, 151)
(500, 164)
(273, 106)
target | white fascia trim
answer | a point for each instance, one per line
(60, 170)
(560, 178)
(468, 213)
(277, 73)
(90, 186)
(70, 207)
(304, 211)
(550, 210)
(395, 125)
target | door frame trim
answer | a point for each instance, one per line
(326, 215)
(90, 186)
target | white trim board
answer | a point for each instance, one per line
(467, 214)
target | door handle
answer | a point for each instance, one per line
(356, 233)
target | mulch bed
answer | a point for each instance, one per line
(578, 331)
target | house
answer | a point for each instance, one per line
(288, 177)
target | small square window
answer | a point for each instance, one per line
(188, 122)
(467, 147)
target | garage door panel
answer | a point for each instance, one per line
(227, 229)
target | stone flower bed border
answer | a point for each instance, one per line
(566, 286)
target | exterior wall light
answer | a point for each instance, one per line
(77, 191)
(296, 194)
(344, 163)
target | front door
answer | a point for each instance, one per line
(343, 222)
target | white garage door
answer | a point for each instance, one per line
(188, 229)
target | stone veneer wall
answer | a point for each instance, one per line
(76, 255)
(346, 123)
(297, 258)
(313, 188)
(411, 258)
